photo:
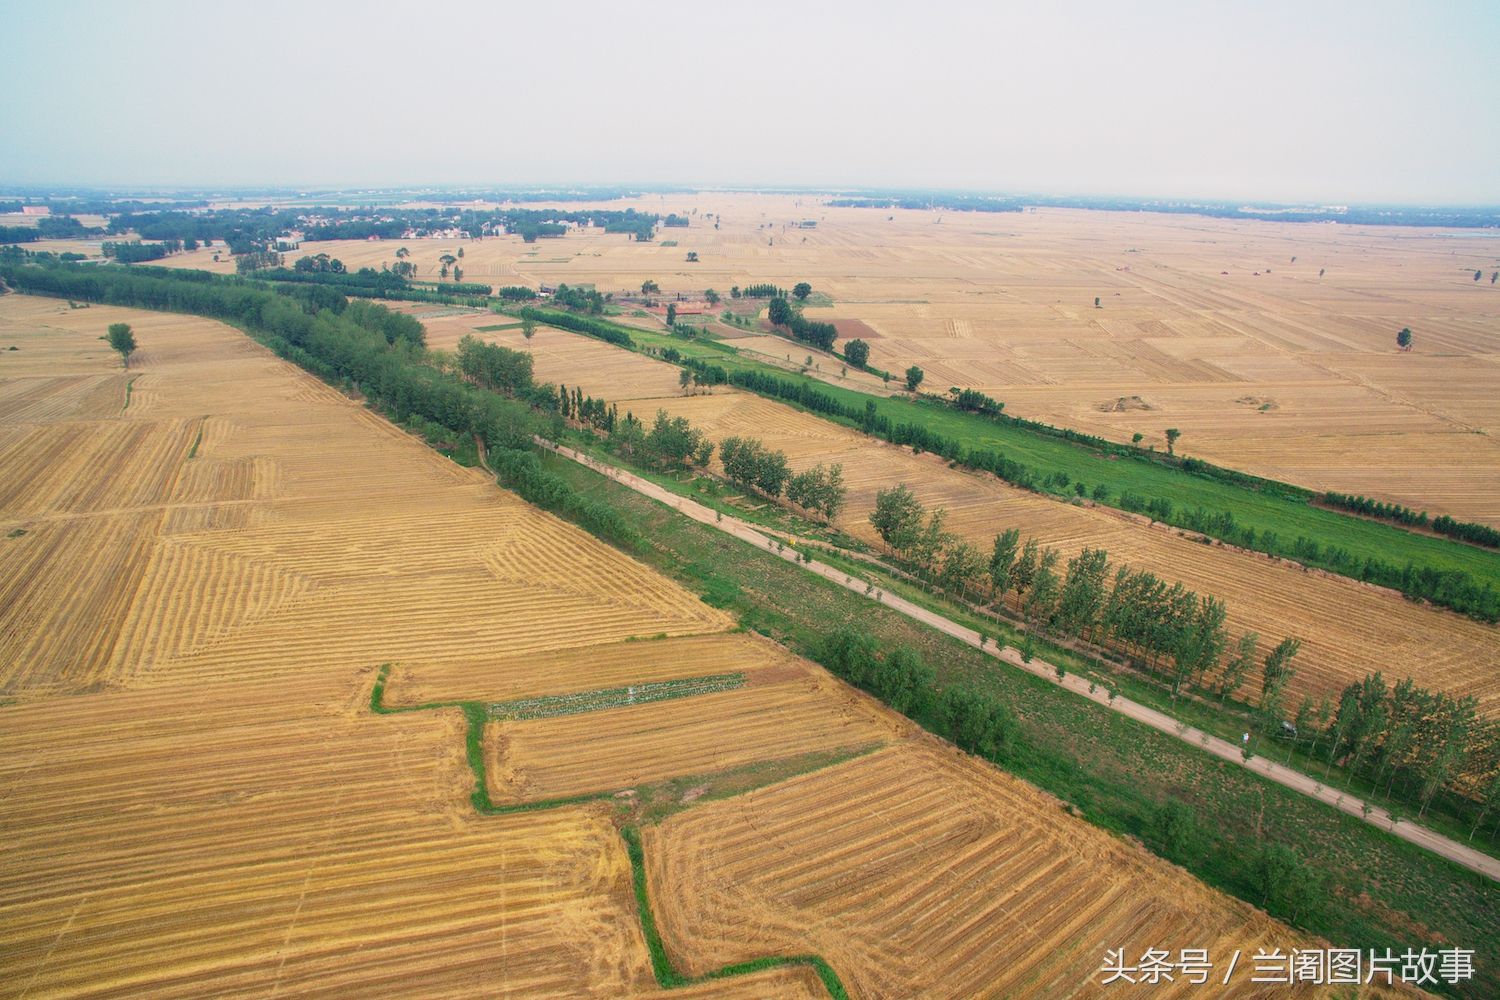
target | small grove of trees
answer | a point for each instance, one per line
(749, 464)
(1168, 629)
(974, 721)
(857, 353)
(819, 490)
(802, 290)
(760, 291)
(587, 300)
(319, 264)
(1403, 339)
(587, 410)
(1413, 744)
(820, 335)
(975, 401)
(671, 442)
(493, 367)
(121, 339)
(649, 287)
(136, 252)
(256, 260)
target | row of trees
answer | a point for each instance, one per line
(761, 290)
(1456, 589)
(1466, 531)
(1410, 743)
(819, 334)
(973, 720)
(136, 252)
(579, 324)
(1166, 628)
(671, 442)
(493, 367)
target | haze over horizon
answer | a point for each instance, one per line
(1338, 104)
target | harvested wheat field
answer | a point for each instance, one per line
(558, 356)
(920, 872)
(1342, 623)
(763, 705)
(1196, 317)
(200, 799)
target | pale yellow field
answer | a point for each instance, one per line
(1005, 303)
(198, 798)
(1342, 623)
(561, 357)
(926, 874)
(779, 713)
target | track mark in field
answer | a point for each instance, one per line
(61, 933)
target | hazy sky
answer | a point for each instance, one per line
(1332, 102)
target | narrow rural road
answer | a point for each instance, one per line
(1421, 836)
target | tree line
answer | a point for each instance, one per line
(1166, 629)
(1466, 531)
(1411, 744)
(1451, 588)
(579, 324)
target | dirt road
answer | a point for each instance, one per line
(1285, 776)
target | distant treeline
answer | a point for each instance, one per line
(359, 344)
(246, 229)
(52, 227)
(1365, 215)
(370, 283)
(1359, 215)
(946, 202)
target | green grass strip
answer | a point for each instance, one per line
(551, 706)
(667, 976)
(193, 451)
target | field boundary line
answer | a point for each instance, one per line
(477, 715)
(1287, 777)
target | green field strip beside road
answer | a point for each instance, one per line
(1281, 510)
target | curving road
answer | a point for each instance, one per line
(1421, 836)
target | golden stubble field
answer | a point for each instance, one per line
(202, 584)
(1206, 325)
(1348, 629)
(1341, 622)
